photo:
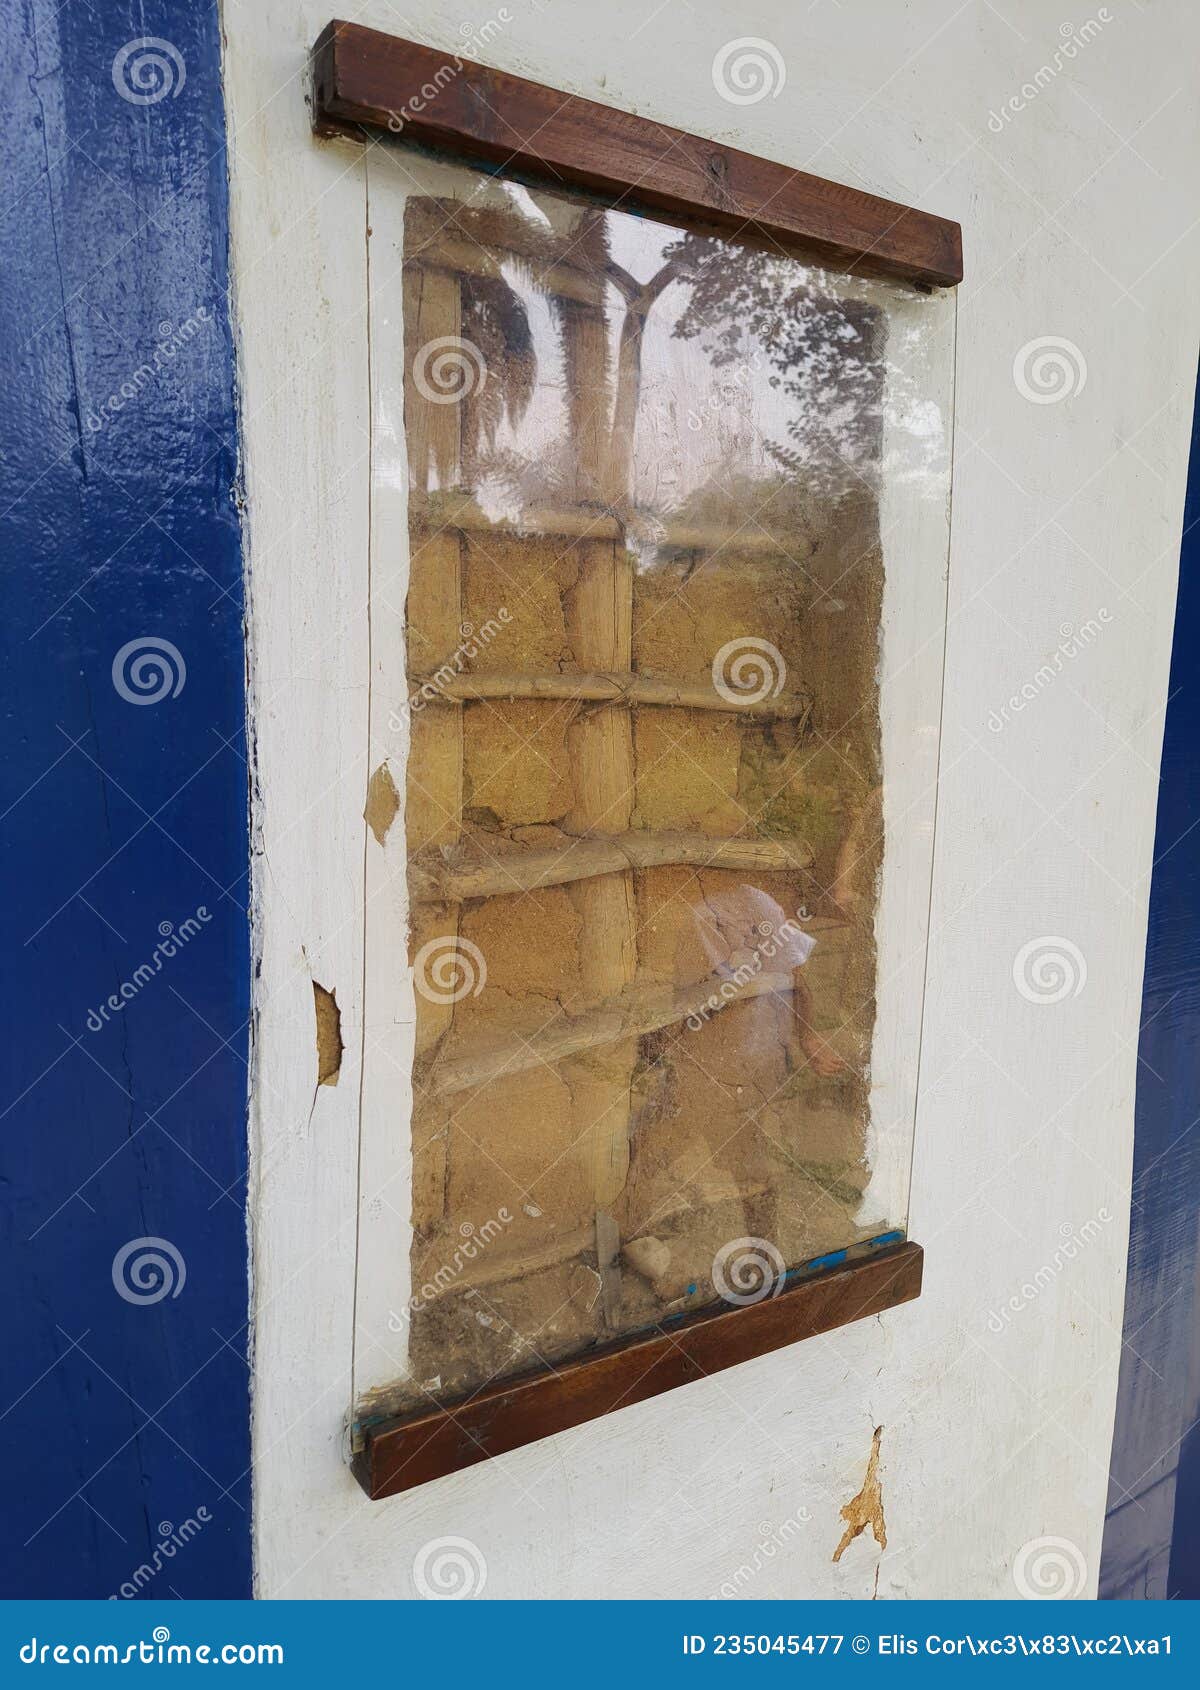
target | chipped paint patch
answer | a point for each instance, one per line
(383, 803)
(865, 1509)
(329, 1036)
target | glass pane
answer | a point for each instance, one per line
(677, 527)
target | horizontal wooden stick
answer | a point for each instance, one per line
(461, 876)
(640, 1010)
(596, 522)
(613, 688)
(363, 76)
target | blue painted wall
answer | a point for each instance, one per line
(124, 1394)
(1152, 1534)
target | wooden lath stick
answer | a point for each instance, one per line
(449, 508)
(460, 877)
(637, 1011)
(608, 687)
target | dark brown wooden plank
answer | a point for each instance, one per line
(402, 1453)
(365, 77)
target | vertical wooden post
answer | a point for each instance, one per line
(433, 813)
(599, 615)
(599, 622)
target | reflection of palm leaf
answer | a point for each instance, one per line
(587, 362)
(495, 320)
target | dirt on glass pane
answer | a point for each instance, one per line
(643, 793)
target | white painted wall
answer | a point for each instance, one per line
(1078, 223)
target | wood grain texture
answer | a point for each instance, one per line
(365, 77)
(400, 1454)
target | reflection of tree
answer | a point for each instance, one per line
(825, 352)
(745, 307)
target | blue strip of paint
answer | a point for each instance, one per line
(124, 840)
(1152, 1532)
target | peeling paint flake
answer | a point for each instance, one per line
(329, 1036)
(383, 803)
(865, 1509)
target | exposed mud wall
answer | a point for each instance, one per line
(626, 1168)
